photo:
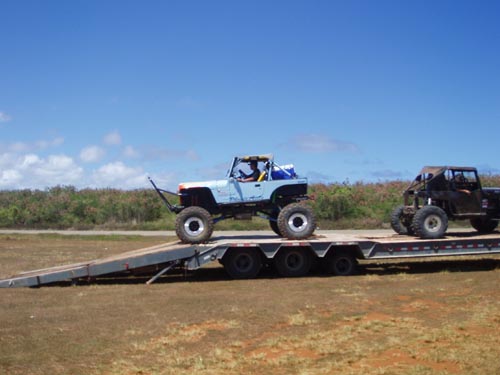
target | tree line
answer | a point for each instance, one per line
(340, 205)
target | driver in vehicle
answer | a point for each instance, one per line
(254, 176)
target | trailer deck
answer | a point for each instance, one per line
(239, 255)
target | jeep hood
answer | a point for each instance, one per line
(203, 184)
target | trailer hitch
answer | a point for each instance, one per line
(161, 192)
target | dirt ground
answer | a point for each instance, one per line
(439, 317)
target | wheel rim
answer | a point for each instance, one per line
(194, 226)
(433, 223)
(243, 262)
(294, 261)
(298, 222)
(343, 266)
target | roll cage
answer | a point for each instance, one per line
(442, 179)
(268, 168)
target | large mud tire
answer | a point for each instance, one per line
(484, 225)
(194, 225)
(399, 223)
(296, 221)
(242, 263)
(274, 226)
(293, 261)
(430, 222)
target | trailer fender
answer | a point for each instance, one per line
(354, 250)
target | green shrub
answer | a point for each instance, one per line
(337, 206)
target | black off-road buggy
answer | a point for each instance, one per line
(439, 194)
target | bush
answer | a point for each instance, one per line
(66, 207)
(340, 205)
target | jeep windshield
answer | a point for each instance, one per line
(242, 161)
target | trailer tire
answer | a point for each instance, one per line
(341, 264)
(296, 221)
(242, 263)
(430, 222)
(484, 225)
(194, 225)
(293, 261)
(399, 223)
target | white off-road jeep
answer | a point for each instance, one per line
(277, 195)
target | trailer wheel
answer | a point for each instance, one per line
(293, 261)
(430, 222)
(242, 263)
(194, 225)
(341, 264)
(484, 225)
(399, 223)
(296, 221)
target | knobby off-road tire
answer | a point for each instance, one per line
(296, 221)
(274, 226)
(430, 222)
(242, 263)
(484, 225)
(293, 261)
(398, 222)
(273, 222)
(194, 225)
(341, 264)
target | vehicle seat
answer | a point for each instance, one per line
(263, 174)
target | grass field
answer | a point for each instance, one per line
(395, 318)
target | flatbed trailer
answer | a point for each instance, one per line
(243, 257)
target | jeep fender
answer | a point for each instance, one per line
(289, 192)
(201, 197)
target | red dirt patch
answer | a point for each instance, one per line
(270, 354)
(396, 359)
(420, 305)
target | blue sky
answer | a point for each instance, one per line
(104, 93)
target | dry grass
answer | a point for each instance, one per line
(418, 321)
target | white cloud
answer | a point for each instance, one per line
(4, 117)
(42, 144)
(317, 143)
(92, 154)
(10, 178)
(119, 175)
(23, 147)
(34, 172)
(318, 177)
(30, 160)
(60, 168)
(113, 139)
(131, 152)
(387, 174)
(191, 155)
(19, 147)
(160, 153)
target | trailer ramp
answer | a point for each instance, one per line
(164, 256)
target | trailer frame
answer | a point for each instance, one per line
(244, 257)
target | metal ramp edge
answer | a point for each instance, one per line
(155, 255)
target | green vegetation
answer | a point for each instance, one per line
(337, 206)
(356, 206)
